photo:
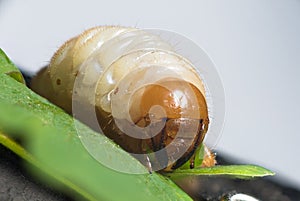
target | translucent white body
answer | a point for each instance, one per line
(105, 55)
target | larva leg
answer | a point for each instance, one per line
(192, 161)
(149, 165)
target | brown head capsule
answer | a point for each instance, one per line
(148, 99)
(181, 106)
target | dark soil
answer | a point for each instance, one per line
(17, 185)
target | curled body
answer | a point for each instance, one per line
(145, 96)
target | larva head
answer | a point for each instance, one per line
(171, 99)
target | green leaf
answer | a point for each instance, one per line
(199, 156)
(236, 171)
(50, 142)
(7, 67)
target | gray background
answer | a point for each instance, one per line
(255, 45)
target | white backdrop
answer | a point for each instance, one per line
(255, 45)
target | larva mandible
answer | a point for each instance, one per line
(146, 97)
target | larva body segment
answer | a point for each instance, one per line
(147, 98)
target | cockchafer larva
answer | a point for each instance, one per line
(144, 93)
